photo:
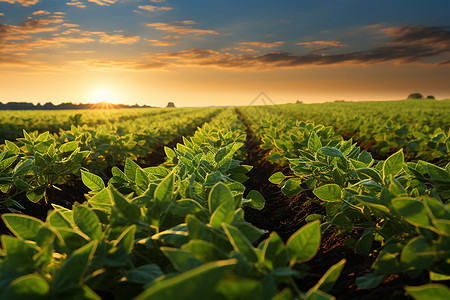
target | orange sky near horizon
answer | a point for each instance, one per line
(203, 53)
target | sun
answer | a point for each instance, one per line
(103, 95)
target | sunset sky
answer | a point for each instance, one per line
(213, 52)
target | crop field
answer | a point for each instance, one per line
(337, 200)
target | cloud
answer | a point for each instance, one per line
(154, 8)
(21, 2)
(406, 45)
(438, 37)
(158, 1)
(124, 64)
(30, 26)
(118, 38)
(190, 22)
(162, 43)
(70, 25)
(322, 44)
(40, 13)
(262, 44)
(77, 4)
(181, 29)
(103, 2)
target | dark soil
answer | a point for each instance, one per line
(286, 215)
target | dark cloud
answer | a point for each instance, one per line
(406, 45)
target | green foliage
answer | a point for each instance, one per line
(36, 164)
(160, 232)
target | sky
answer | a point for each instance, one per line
(215, 52)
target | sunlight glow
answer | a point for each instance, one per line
(103, 95)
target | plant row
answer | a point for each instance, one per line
(36, 163)
(421, 130)
(175, 231)
(402, 206)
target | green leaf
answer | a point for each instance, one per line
(220, 154)
(12, 147)
(254, 200)
(429, 291)
(87, 221)
(223, 214)
(369, 281)
(318, 295)
(92, 181)
(185, 285)
(332, 151)
(182, 260)
(277, 178)
(304, 243)
(219, 194)
(165, 189)
(204, 251)
(328, 192)
(126, 239)
(7, 162)
(328, 280)
(27, 287)
(142, 180)
(240, 243)
(23, 226)
(393, 164)
(274, 252)
(413, 211)
(169, 153)
(73, 269)
(69, 146)
(418, 254)
(212, 178)
(314, 143)
(37, 193)
(130, 169)
(144, 274)
(364, 244)
(291, 187)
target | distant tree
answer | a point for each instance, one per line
(430, 97)
(415, 96)
(170, 104)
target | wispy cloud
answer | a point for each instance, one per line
(407, 45)
(160, 43)
(322, 44)
(181, 29)
(154, 8)
(118, 38)
(21, 2)
(77, 3)
(124, 64)
(40, 13)
(262, 44)
(103, 2)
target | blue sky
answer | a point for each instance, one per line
(194, 51)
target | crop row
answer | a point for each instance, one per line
(402, 205)
(155, 231)
(175, 231)
(37, 162)
(420, 129)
